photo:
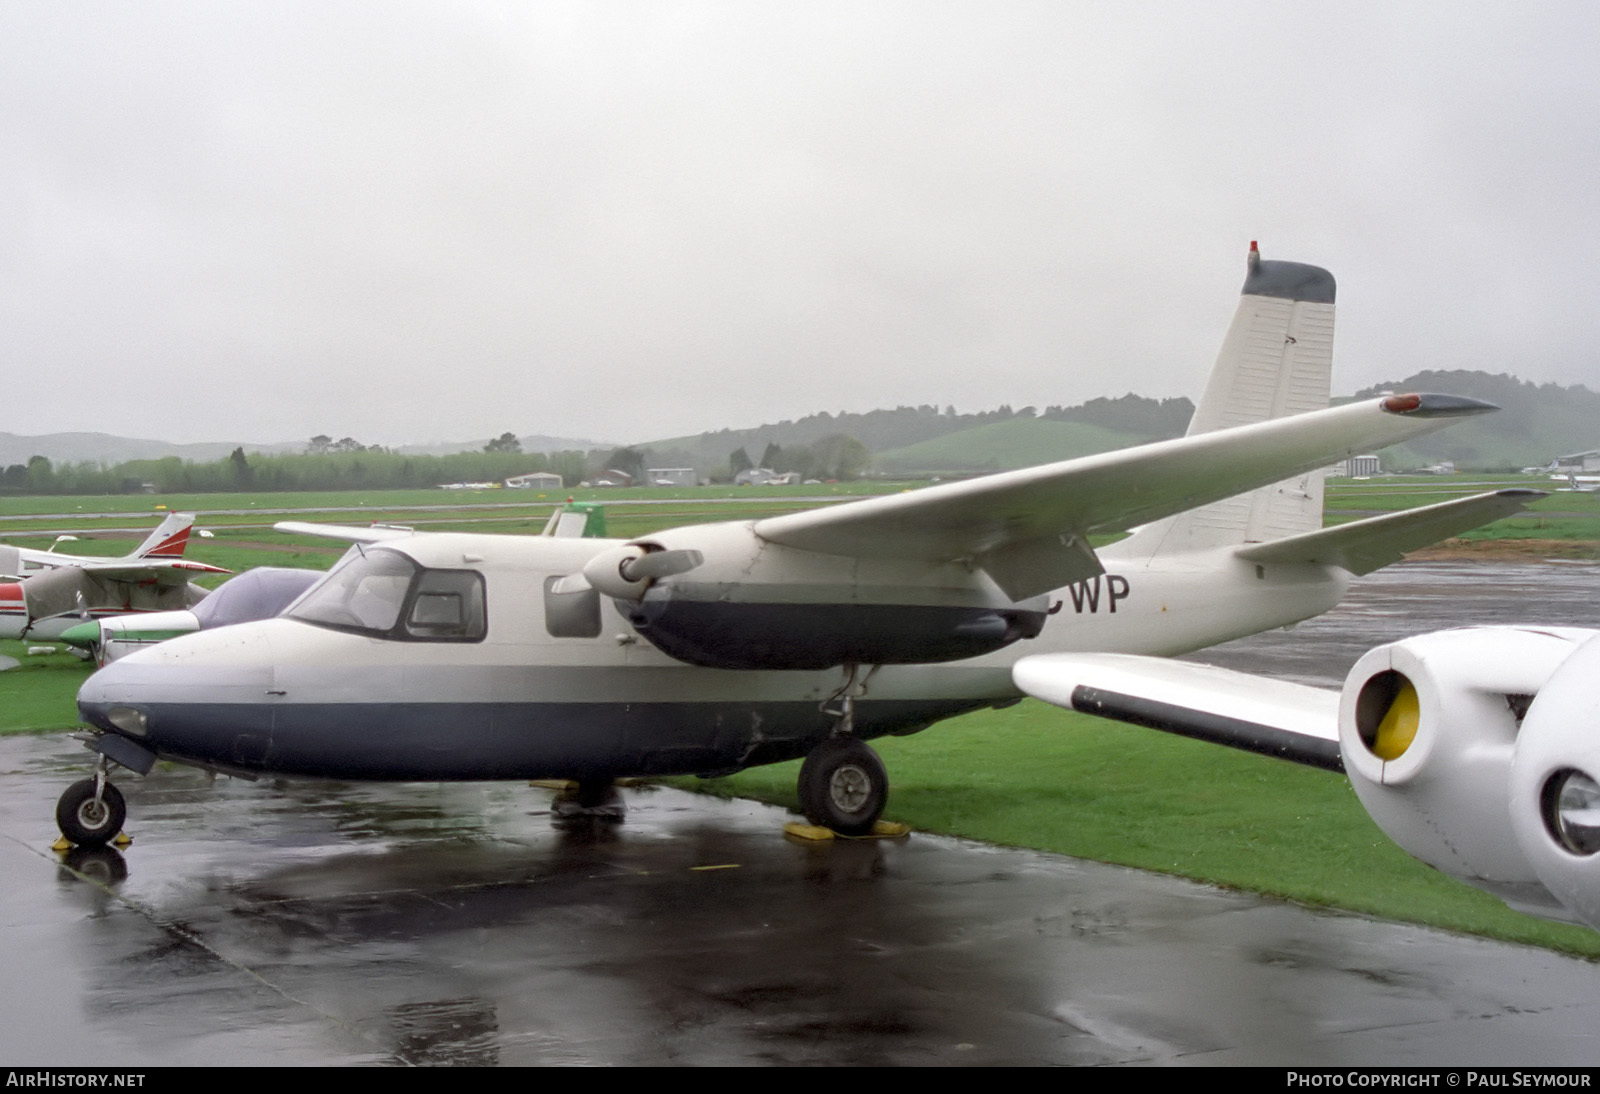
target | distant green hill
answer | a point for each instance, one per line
(1000, 446)
(1535, 423)
(906, 427)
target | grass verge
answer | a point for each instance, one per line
(1033, 776)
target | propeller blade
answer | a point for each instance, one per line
(571, 583)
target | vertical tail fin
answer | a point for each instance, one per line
(1276, 360)
(169, 539)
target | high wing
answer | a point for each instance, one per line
(158, 559)
(1362, 546)
(1253, 713)
(350, 533)
(159, 570)
(1028, 529)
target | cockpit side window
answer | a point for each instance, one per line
(384, 594)
(447, 606)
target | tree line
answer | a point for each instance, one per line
(367, 469)
(349, 465)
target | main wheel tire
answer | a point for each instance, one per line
(844, 786)
(87, 822)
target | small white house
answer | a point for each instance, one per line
(535, 480)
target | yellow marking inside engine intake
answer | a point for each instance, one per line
(1399, 726)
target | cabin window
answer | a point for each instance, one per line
(447, 606)
(384, 594)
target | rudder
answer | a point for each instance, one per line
(169, 539)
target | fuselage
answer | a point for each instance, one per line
(510, 700)
(17, 620)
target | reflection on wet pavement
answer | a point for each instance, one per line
(302, 922)
(1414, 598)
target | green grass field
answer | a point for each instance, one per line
(1034, 776)
(1029, 776)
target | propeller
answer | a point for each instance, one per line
(625, 574)
(659, 564)
(572, 602)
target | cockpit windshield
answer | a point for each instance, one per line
(384, 594)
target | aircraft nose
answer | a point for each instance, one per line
(103, 690)
(175, 679)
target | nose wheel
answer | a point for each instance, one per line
(844, 786)
(91, 811)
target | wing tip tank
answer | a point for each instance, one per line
(1434, 405)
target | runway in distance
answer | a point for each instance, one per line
(47, 592)
(710, 648)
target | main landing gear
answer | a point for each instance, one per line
(91, 812)
(843, 784)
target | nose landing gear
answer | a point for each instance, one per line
(91, 811)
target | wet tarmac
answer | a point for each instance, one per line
(300, 923)
(1414, 598)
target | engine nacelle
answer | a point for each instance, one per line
(746, 603)
(1463, 746)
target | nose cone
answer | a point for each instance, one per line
(86, 636)
(177, 685)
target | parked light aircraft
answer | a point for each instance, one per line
(50, 591)
(258, 593)
(732, 644)
(1473, 749)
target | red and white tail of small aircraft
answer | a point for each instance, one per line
(709, 648)
(45, 592)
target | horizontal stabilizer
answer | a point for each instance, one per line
(1253, 713)
(350, 533)
(1015, 516)
(1363, 546)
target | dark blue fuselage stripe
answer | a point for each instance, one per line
(459, 741)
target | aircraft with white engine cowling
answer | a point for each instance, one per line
(43, 593)
(1473, 749)
(709, 648)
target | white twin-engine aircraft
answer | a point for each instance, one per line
(43, 593)
(710, 648)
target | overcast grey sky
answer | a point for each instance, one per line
(416, 221)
